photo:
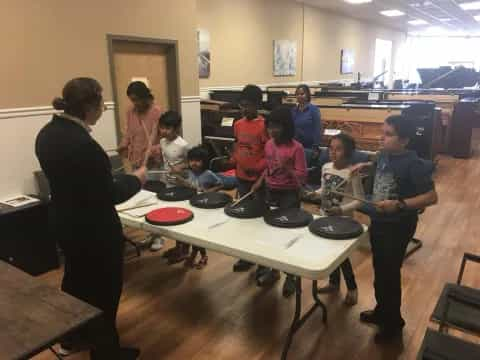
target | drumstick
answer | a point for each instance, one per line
(149, 144)
(118, 169)
(235, 203)
(353, 197)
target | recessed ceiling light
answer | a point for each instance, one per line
(473, 5)
(392, 13)
(477, 17)
(418, 22)
(358, 1)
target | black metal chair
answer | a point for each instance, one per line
(461, 316)
(438, 345)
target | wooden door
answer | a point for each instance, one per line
(140, 61)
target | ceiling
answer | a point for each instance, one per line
(446, 14)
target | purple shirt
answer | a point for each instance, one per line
(286, 165)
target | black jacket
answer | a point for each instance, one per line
(84, 192)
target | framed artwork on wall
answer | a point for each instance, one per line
(203, 37)
(347, 61)
(284, 58)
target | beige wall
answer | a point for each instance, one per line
(45, 43)
(326, 34)
(241, 38)
(242, 34)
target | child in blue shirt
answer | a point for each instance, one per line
(403, 185)
(203, 179)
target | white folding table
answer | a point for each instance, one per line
(294, 251)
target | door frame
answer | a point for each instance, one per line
(173, 71)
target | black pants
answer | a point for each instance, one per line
(284, 199)
(347, 272)
(389, 242)
(97, 280)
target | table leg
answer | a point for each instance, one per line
(299, 320)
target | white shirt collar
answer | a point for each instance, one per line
(76, 120)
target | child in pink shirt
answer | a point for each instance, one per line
(285, 174)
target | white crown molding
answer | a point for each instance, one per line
(37, 111)
(190, 99)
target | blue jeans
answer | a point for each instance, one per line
(229, 182)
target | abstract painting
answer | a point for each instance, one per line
(284, 58)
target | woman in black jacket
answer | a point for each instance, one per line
(83, 217)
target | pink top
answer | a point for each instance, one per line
(286, 165)
(135, 139)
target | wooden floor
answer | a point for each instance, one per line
(172, 313)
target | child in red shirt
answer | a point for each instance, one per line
(249, 151)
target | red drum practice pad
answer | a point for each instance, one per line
(211, 200)
(168, 216)
(176, 193)
(336, 228)
(288, 218)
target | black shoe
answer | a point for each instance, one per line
(268, 278)
(370, 317)
(129, 353)
(329, 289)
(289, 286)
(241, 266)
(388, 335)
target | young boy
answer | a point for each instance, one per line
(173, 149)
(403, 185)
(249, 151)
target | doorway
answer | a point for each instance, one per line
(152, 61)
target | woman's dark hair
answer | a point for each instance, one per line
(403, 127)
(348, 144)
(306, 90)
(171, 119)
(282, 117)
(253, 94)
(140, 90)
(199, 153)
(79, 95)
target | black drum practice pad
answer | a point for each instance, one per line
(336, 227)
(168, 216)
(176, 193)
(154, 186)
(249, 208)
(288, 218)
(211, 200)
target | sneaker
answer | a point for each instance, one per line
(129, 353)
(289, 286)
(329, 289)
(157, 244)
(70, 348)
(242, 266)
(370, 317)
(351, 298)
(268, 278)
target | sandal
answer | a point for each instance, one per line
(202, 262)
